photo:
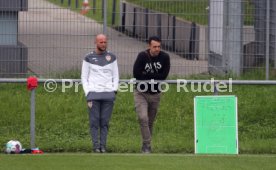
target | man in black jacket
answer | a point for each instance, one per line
(151, 65)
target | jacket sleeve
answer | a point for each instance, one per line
(115, 75)
(138, 68)
(85, 76)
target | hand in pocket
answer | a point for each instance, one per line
(89, 104)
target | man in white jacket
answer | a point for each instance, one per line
(100, 79)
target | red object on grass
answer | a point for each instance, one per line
(37, 151)
(32, 83)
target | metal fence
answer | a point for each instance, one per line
(49, 38)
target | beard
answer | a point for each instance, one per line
(155, 54)
(101, 49)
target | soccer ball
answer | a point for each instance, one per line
(13, 146)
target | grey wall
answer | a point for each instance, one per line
(8, 28)
(13, 60)
(174, 32)
(13, 5)
(273, 31)
(13, 54)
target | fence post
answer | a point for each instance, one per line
(267, 44)
(173, 32)
(94, 6)
(32, 123)
(103, 4)
(192, 43)
(134, 22)
(114, 11)
(159, 26)
(124, 17)
(32, 85)
(233, 24)
(77, 4)
(104, 16)
(146, 23)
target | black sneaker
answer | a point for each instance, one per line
(146, 149)
(97, 150)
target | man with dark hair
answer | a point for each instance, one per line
(151, 64)
(100, 80)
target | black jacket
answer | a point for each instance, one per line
(147, 67)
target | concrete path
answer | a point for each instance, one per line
(58, 39)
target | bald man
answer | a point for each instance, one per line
(100, 79)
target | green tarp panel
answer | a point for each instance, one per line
(215, 121)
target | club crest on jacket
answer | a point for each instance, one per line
(108, 57)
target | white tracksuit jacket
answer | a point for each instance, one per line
(100, 73)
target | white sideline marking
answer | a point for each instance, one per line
(158, 154)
